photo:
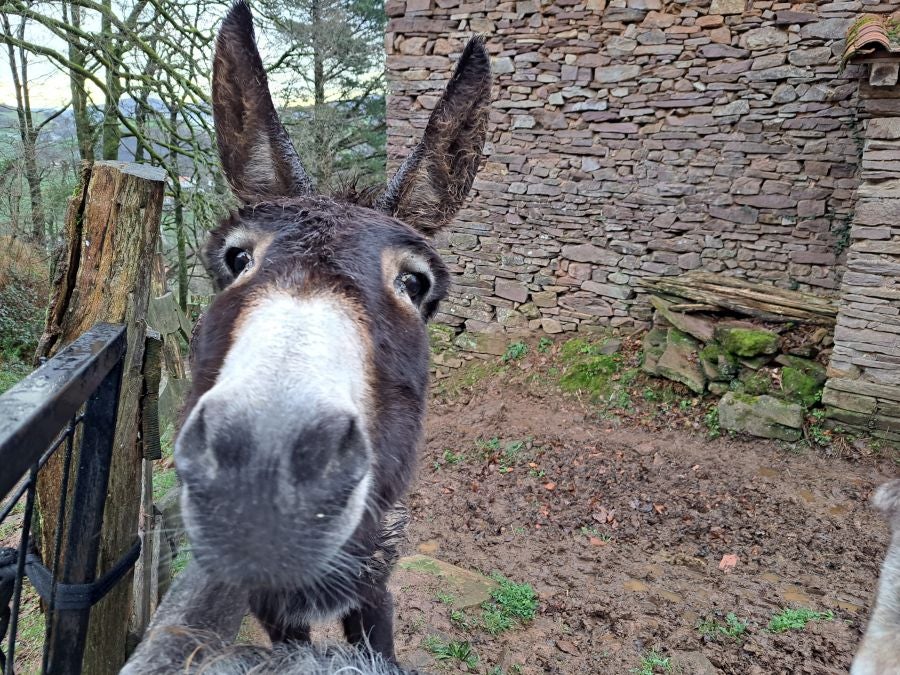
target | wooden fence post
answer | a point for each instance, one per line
(112, 228)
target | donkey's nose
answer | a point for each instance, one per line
(220, 436)
(331, 443)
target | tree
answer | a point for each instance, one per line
(28, 130)
(331, 63)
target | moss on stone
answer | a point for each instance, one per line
(718, 365)
(755, 383)
(677, 337)
(747, 342)
(800, 386)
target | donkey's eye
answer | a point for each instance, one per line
(414, 285)
(238, 260)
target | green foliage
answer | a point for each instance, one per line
(796, 619)
(450, 651)
(460, 619)
(733, 627)
(445, 598)
(510, 604)
(21, 320)
(517, 600)
(515, 351)
(711, 420)
(591, 375)
(336, 113)
(544, 345)
(652, 661)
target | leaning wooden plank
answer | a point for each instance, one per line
(744, 305)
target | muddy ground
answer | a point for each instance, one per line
(618, 508)
(620, 523)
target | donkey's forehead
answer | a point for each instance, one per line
(316, 221)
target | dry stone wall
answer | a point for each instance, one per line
(634, 138)
(864, 385)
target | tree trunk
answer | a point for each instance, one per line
(111, 134)
(112, 227)
(83, 130)
(26, 129)
(177, 198)
(324, 162)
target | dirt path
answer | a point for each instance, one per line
(621, 531)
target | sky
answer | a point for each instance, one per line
(49, 85)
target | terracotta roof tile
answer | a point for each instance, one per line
(872, 33)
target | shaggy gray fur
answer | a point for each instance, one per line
(192, 630)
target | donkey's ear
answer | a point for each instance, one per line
(256, 152)
(432, 183)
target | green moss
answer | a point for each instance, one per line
(718, 364)
(677, 337)
(422, 565)
(800, 387)
(747, 342)
(441, 337)
(591, 375)
(755, 383)
(577, 348)
(745, 398)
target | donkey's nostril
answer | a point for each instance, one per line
(331, 443)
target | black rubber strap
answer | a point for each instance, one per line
(72, 596)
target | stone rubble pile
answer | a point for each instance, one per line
(767, 373)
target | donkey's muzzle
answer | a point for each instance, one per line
(220, 439)
(271, 498)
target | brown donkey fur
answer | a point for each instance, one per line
(310, 366)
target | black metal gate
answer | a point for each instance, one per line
(73, 394)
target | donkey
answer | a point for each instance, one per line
(879, 653)
(310, 367)
(192, 630)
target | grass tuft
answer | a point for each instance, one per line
(796, 619)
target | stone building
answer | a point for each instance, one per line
(640, 137)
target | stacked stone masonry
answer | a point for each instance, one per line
(864, 385)
(638, 137)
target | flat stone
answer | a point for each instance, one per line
(469, 589)
(827, 29)
(609, 290)
(653, 345)
(680, 361)
(544, 298)
(815, 56)
(727, 7)
(511, 290)
(551, 326)
(503, 65)
(624, 14)
(611, 74)
(482, 343)
(740, 107)
(692, 324)
(463, 240)
(762, 416)
(717, 51)
(764, 38)
(849, 401)
(591, 253)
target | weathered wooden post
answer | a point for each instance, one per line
(112, 229)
